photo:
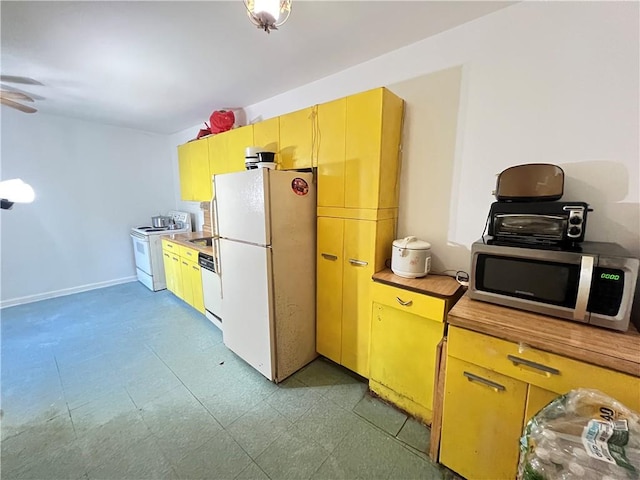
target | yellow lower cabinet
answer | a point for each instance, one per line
(187, 291)
(176, 272)
(349, 252)
(329, 287)
(403, 354)
(183, 274)
(481, 422)
(358, 267)
(537, 399)
(168, 270)
(196, 287)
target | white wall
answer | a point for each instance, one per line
(553, 82)
(93, 183)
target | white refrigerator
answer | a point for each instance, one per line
(266, 224)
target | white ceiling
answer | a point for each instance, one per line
(165, 66)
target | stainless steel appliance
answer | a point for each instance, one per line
(593, 283)
(530, 182)
(539, 222)
(265, 221)
(147, 248)
(211, 289)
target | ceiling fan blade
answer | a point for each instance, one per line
(15, 95)
(9, 88)
(14, 79)
(16, 105)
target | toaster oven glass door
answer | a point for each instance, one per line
(550, 227)
(536, 280)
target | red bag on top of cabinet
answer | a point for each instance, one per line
(221, 121)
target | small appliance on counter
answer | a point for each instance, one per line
(528, 212)
(411, 258)
(539, 222)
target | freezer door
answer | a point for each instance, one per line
(241, 209)
(247, 308)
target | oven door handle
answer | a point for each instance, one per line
(584, 288)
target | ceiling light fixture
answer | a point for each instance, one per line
(268, 14)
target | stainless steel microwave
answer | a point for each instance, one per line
(593, 283)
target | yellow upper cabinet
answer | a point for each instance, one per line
(330, 140)
(218, 154)
(238, 140)
(297, 139)
(266, 134)
(373, 131)
(193, 163)
(358, 150)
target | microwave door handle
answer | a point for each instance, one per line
(584, 288)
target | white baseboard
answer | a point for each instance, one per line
(66, 291)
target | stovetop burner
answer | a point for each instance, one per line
(153, 229)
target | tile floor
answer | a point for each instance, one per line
(124, 383)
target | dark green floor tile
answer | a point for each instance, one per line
(415, 434)
(380, 414)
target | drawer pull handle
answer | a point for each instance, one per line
(166, 255)
(358, 263)
(475, 378)
(175, 259)
(185, 263)
(408, 303)
(328, 256)
(537, 366)
(195, 268)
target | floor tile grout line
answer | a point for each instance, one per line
(205, 407)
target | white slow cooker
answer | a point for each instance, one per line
(411, 258)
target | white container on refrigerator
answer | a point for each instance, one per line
(265, 220)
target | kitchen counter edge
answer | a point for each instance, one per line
(618, 351)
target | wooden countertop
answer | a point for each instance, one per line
(435, 285)
(607, 348)
(183, 239)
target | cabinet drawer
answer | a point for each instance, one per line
(408, 301)
(546, 370)
(170, 246)
(189, 253)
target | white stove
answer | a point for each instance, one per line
(147, 247)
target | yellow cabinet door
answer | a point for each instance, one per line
(168, 271)
(537, 399)
(176, 273)
(238, 140)
(296, 139)
(217, 154)
(373, 130)
(184, 170)
(403, 358)
(481, 421)
(195, 276)
(331, 160)
(194, 171)
(187, 289)
(359, 257)
(201, 177)
(266, 134)
(329, 288)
